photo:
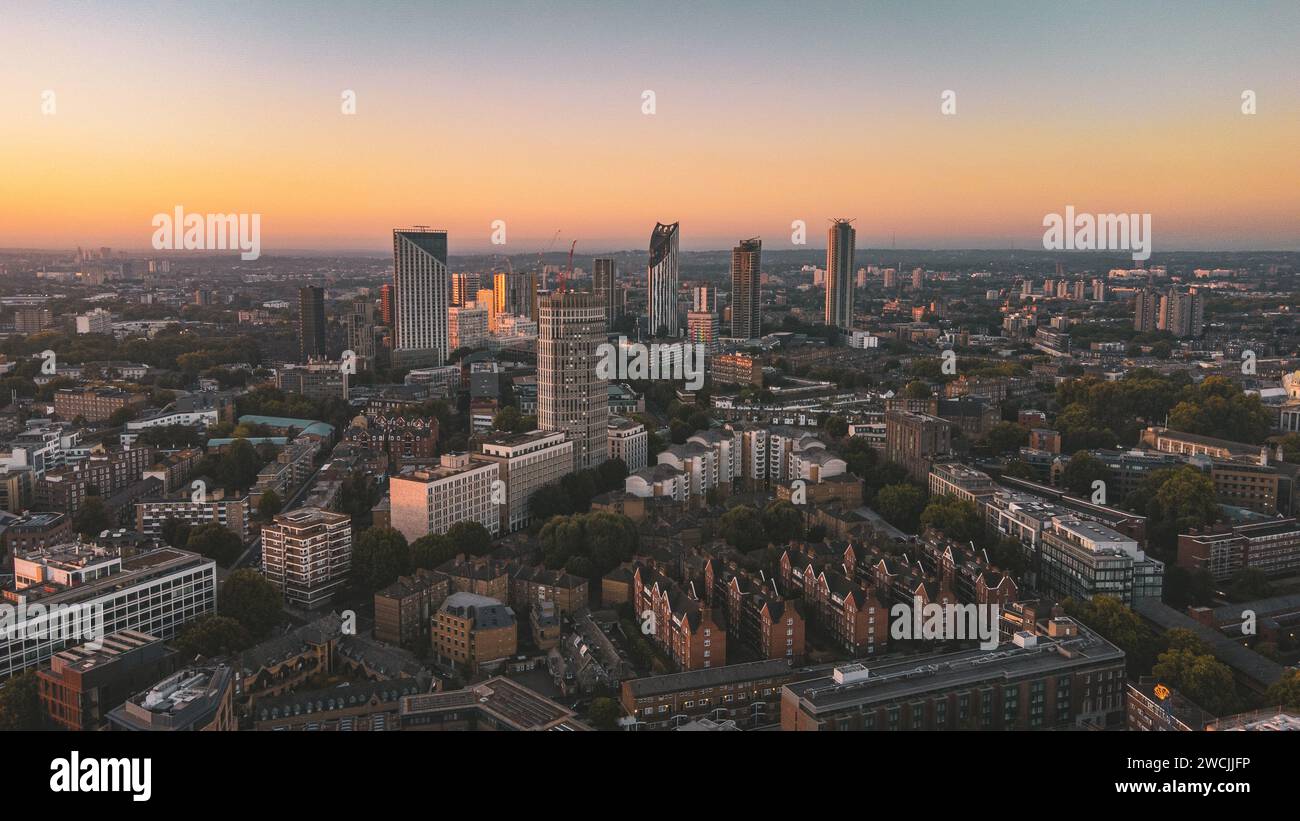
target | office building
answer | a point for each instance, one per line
(1068, 678)
(81, 684)
(1081, 558)
(466, 327)
(199, 698)
(432, 500)
(526, 462)
(84, 587)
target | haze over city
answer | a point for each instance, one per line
(765, 113)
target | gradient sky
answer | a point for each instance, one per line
(766, 112)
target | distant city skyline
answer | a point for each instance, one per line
(841, 106)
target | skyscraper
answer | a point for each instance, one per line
(662, 280)
(570, 395)
(423, 296)
(1182, 313)
(604, 284)
(311, 323)
(1146, 310)
(360, 324)
(839, 273)
(387, 302)
(746, 301)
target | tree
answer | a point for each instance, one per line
(589, 544)
(1185, 588)
(248, 598)
(1199, 676)
(835, 426)
(212, 636)
(605, 713)
(1120, 626)
(610, 475)
(1290, 447)
(1248, 584)
(269, 505)
(1010, 556)
(917, 390)
(240, 465)
(469, 537)
(1005, 436)
(1284, 693)
(92, 517)
(379, 556)
(742, 528)
(955, 518)
(1174, 500)
(1018, 468)
(901, 505)
(176, 532)
(20, 703)
(1081, 471)
(508, 419)
(215, 542)
(783, 522)
(548, 501)
(431, 550)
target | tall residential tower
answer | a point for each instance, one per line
(839, 273)
(663, 280)
(746, 302)
(570, 395)
(423, 296)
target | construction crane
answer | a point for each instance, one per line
(541, 265)
(559, 288)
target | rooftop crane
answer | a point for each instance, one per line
(559, 288)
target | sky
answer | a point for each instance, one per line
(764, 113)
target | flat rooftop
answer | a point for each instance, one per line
(912, 677)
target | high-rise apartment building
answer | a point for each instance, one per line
(1182, 313)
(604, 284)
(307, 555)
(466, 327)
(1146, 310)
(423, 296)
(570, 395)
(662, 280)
(387, 303)
(840, 240)
(311, 323)
(746, 302)
(360, 326)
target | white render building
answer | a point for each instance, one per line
(84, 591)
(527, 462)
(432, 500)
(629, 441)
